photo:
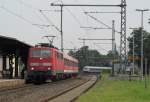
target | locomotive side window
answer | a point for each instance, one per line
(41, 53)
(65, 61)
(59, 56)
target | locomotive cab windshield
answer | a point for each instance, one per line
(40, 53)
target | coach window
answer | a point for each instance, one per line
(72, 64)
(56, 54)
(68, 62)
(65, 61)
(61, 56)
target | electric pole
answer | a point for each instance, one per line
(123, 52)
(113, 45)
(142, 27)
(61, 29)
(133, 48)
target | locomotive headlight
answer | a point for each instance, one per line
(49, 68)
(32, 68)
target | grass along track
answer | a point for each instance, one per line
(117, 91)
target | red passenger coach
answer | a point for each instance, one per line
(49, 63)
(70, 65)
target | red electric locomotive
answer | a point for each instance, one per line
(49, 63)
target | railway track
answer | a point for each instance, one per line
(65, 94)
(18, 87)
(40, 93)
(15, 89)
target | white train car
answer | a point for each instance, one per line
(95, 69)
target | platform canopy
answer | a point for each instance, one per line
(9, 45)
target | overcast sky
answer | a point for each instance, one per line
(19, 19)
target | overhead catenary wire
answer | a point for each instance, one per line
(86, 31)
(77, 20)
(100, 22)
(19, 16)
(75, 17)
(36, 13)
(51, 10)
(101, 12)
(22, 18)
(102, 48)
(72, 14)
(49, 21)
(25, 4)
(15, 14)
(103, 43)
(57, 1)
(40, 16)
(31, 7)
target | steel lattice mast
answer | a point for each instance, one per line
(123, 52)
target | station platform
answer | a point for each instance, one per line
(10, 83)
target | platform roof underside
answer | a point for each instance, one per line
(10, 45)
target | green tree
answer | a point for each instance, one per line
(137, 43)
(112, 54)
(86, 56)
